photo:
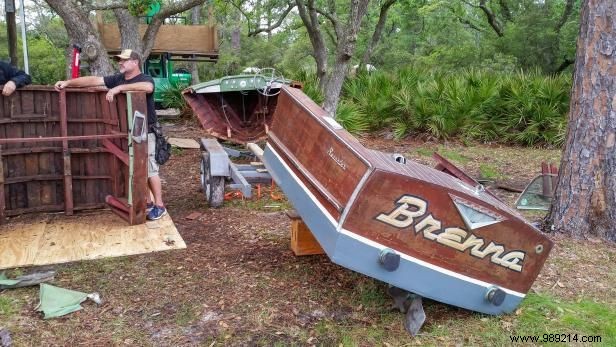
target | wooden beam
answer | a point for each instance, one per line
(23, 179)
(2, 198)
(28, 150)
(52, 208)
(115, 150)
(139, 176)
(68, 181)
(63, 138)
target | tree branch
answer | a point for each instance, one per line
(378, 31)
(563, 19)
(333, 19)
(174, 8)
(246, 15)
(505, 9)
(492, 20)
(283, 16)
(469, 23)
(106, 5)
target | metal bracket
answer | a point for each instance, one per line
(139, 132)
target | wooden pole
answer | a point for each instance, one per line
(11, 30)
(66, 154)
(2, 200)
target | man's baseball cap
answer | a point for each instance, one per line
(128, 54)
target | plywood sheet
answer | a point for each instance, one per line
(184, 143)
(44, 240)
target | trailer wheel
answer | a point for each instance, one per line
(213, 186)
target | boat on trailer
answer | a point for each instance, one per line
(237, 108)
(420, 229)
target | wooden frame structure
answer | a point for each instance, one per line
(71, 150)
(194, 42)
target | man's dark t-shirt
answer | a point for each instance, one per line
(118, 79)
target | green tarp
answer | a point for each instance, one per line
(56, 301)
(7, 282)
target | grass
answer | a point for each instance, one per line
(176, 150)
(489, 172)
(453, 155)
(7, 307)
(426, 152)
(544, 314)
(186, 314)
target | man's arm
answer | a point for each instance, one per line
(87, 81)
(147, 87)
(14, 78)
(19, 77)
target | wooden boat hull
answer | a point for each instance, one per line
(236, 108)
(456, 244)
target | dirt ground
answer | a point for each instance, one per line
(238, 283)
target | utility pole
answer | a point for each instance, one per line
(11, 30)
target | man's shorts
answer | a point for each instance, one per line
(152, 164)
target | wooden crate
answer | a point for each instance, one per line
(302, 240)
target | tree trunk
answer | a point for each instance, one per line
(309, 17)
(585, 199)
(81, 31)
(376, 36)
(345, 51)
(195, 16)
(129, 31)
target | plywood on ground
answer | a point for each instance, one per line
(61, 239)
(184, 143)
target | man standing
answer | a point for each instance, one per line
(12, 78)
(130, 79)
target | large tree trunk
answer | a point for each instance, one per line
(81, 31)
(309, 17)
(585, 199)
(129, 30)
(344, 53)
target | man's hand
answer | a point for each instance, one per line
(60, 85)
(9, 88)
(112, 92)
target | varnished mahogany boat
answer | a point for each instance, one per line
(417, 228)
(237, 108)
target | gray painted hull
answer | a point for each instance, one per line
(346, 248)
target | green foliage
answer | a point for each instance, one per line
(310, 85)
(172, 97)
(47, 62)
(352, 118)
(522, 108)
(140, 7)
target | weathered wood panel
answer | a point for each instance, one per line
(187, 39)
(53, 156)
(301, 132)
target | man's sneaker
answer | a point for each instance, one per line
(156, 213)
(149, 206)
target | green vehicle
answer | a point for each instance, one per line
(160, 66)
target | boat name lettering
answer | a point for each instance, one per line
(338, 160)
(413, 211)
